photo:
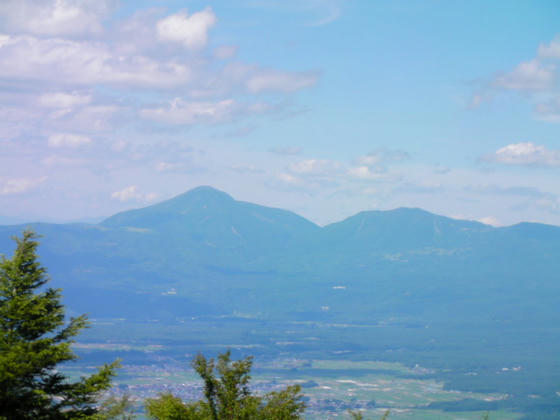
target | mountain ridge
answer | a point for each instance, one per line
(209, 191)
(206, 234)
(214, 196)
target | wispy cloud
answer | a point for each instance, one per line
(64, 100)
(133, 193)
(179, 111)
(374, 165)
(536, 80)
(366, 173)
(280, 81)
(10, 186)
(531, 75)
(490, 220)
(382, 157)
(68, 140)
(69, 62)
(137, 57)
(315, 167)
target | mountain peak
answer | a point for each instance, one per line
(203, 193)
(205, 190)
(198, 199)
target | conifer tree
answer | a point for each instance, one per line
(35, 338)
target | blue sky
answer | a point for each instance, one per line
(323, 107)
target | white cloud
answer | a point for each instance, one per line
(68, 140)
(83, 62)
(54, 17)
(369, 159)
(373, 165)
(280, 81)
(163, 166)
(489, 220)
(133, 193)
(315, 167)
(150, 196)
(526, 154)
(288, 178)
(551, 50)
(536, 79)
(63, 100)
(364, 172)
(191, 31)
(528, 75)
(77, 72)
(4, 40)
(185, 113)
(127, 194)
(19, 185)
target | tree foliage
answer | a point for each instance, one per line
(356, 415)
(116, 408)
(227, 396)
(35, 338)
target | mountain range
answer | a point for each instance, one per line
(222, 255)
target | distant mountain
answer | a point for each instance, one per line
(226, 255)
(192, 243)
(210, 218)
(400, 229)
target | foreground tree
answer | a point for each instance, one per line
(34, 339)
(116, 408)
(227, 396)
(356, 415)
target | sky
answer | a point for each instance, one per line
(322, 107)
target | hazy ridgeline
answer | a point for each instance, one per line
(475, 304)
